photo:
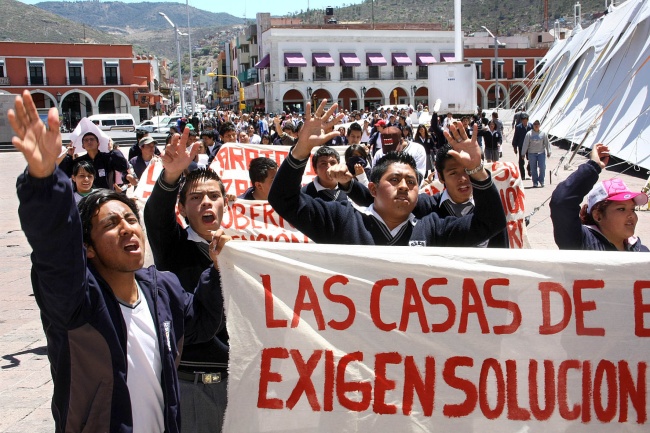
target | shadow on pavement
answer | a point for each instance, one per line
(13, 357)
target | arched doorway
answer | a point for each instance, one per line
(292, 101)
(318, 96)
(373, 98)
(421, 97)
(518, 93)
(42, 99)
(74, 106)
(398, 96)
(348, 100)
(112, 102)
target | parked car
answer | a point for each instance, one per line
(153, 124)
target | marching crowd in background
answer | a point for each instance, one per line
(105, 316)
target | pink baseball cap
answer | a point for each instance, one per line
(614, 190)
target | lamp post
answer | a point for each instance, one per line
(496, 67)
(189, 39)
(178, 54)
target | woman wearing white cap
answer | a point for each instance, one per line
(607, 221)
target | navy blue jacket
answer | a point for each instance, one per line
(427, 204)
(340, 223)
(83, 323)
(568, 230)
(519, 135)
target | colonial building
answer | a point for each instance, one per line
(81, 79)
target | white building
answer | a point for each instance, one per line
(355, 65)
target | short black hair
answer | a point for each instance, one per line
(90, 204)
(200, 174)
(140, 134)
(86, 165)
(209, 133)
(393, 158)
(259, 168)
(354, 126)
(442, 156)
(355, 148)
(324, 151)
(227, 127)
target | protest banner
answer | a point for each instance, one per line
(397, 339)
(257, 221)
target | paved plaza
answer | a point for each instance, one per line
(25, 381)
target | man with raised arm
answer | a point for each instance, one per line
(394, 184)
(201, 197)
(114, 330)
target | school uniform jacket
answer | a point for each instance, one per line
(83, 323)
(568, 230)
(341, 223)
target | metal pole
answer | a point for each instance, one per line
(496, 70)
(178, 55)
(180, 76)
(189, 38)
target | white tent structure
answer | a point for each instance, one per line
(595, 84)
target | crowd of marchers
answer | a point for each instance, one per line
(141, 349)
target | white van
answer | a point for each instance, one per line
(117, 121)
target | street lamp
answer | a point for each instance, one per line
(363, 91)
(135, 96)
(58, 96)
(309, 92)
(178, 54)
(189, 39)
(496, 67)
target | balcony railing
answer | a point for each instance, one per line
(380, 76)
(347, 76)
(112, 81)
(4, 81)
(293, 76)
(36, 81)
(320, 76)
(76, 81)
(422, 75)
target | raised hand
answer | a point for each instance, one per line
(340, 173)
(39, 146)
(600, 154)
(465, 150)
(312, 134)
(178, 156)
(219, 239)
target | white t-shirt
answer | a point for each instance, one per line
(416, 150)
(144, 367)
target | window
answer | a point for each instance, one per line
(423, 72)
(538, 66)
(347, 73)
(479, 66)
(373, 72)
(520, 69)
(74, 73)
(293, 73)
(36, 73)
(497, 69)
(320, 73)
(2, 68)
(399, 72)
(110, 73)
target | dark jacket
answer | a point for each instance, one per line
(519, 135)
(569, 232)
(173, 251)
(426, 204)
(491, 141)
(83, 323)
(324, 194)
(340, 223)
(139, 165)
(105, 164)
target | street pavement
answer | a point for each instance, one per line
(25, 381)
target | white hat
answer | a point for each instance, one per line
(84, 127)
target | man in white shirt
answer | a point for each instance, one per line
(392, 140)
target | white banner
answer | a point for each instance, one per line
(257, 221)
(330, 338)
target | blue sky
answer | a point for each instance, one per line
(249, 8)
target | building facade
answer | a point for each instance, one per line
(281, 65)
(81, 79)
